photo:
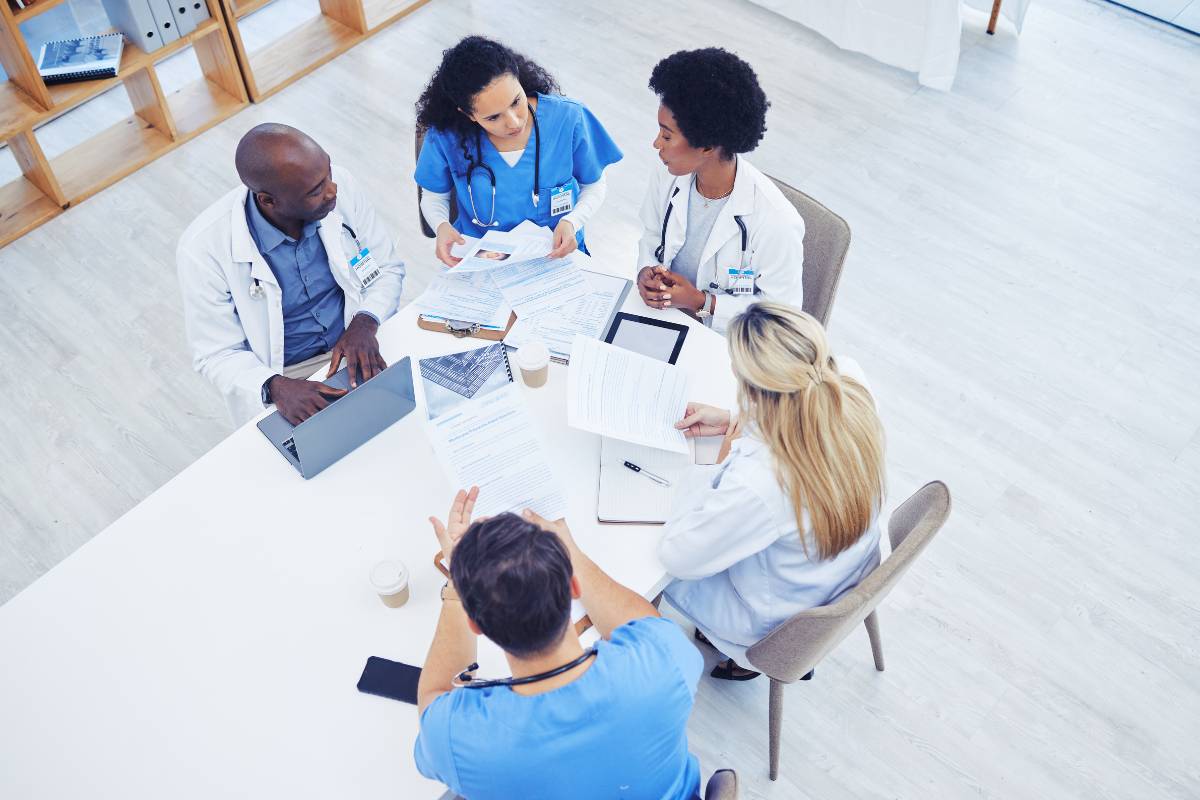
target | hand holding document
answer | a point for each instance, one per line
(625, 395)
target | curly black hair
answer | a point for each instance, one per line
(715, 98)
(466, 69)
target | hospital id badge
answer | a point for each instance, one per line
(561, 200)
(741, 281)
(363, 266)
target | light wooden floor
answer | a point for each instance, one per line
(1022, 289)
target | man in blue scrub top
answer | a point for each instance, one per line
(498, 134)
(597, 723)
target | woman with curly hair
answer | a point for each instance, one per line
(499, 134)
(718, 234)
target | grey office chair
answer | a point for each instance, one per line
(795, 647)
(429, 232)
(826, 240)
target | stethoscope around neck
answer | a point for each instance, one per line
(464, 679)
(661, 250)
(257, 292)
(478, 164)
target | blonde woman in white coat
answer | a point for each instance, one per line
(787, 520)
(717, 234)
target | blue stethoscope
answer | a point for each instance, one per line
(257, 292)
(478, 164)
(661, 250)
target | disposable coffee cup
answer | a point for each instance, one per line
(389, 579)
(534, 360)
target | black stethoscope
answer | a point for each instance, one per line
(464, 680)
(257, 292)
(661, 250)
(478, 164)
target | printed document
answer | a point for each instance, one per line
(470, 297)
(500, 249)
(625, 395)
(489, 442)
(532, 287)
(589, 316)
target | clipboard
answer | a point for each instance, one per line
(462, 330)
(584, 623)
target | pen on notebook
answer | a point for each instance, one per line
(659, 479)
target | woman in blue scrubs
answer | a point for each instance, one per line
(511, 147)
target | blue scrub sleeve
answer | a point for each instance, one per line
(594, 149)
(432, 752)
(433, 164)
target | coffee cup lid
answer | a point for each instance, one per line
(389, 577)
(533, 355)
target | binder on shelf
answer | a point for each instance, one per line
(188, 15)
(163, 19)
(133, 18)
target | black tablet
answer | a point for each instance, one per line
(650, 337)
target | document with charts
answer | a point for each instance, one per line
(483, 434)
(625, 395)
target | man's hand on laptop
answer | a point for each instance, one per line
(297, 400)
(360, 348)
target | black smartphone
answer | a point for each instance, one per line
(390, 679)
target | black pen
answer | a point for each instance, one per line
(659, 479)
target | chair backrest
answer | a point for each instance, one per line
(795, 647)
(826, 240)
(418, 139)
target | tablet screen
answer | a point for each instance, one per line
(650, 337)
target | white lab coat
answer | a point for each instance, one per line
(236, 340)
(733, 546)
(775, 247)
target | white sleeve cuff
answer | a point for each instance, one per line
(435, 207)
(591, 197)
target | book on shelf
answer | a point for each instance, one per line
(82, 59)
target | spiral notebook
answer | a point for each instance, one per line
(83, 59)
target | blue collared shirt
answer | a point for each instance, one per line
(314, 306)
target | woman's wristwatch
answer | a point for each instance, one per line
(708, 307)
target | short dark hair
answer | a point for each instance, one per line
(514, 580)
(715, 98)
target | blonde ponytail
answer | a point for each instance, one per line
(820, 426)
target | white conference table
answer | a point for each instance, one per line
(208, 642)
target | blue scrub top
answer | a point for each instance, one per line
(618, 730)
(575, 150)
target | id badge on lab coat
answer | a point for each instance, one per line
(741, 281)
(363, 267)
(562, 200)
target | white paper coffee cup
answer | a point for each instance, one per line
(389, 579)
(534, 360)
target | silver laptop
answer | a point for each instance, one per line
(351, 420)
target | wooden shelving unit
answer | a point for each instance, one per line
(160, 122)
(341, 25)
